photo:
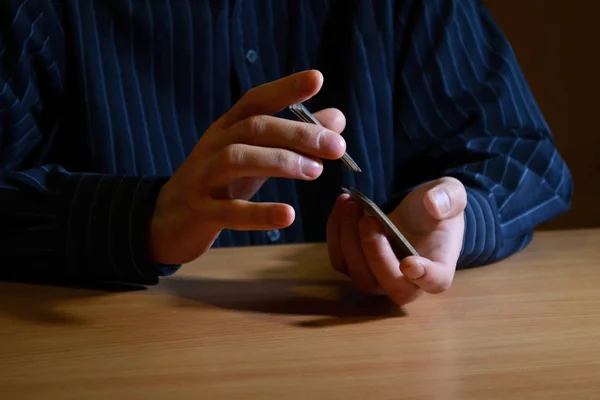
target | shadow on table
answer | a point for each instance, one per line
(39, 301)
(303, 286)
(330, 302)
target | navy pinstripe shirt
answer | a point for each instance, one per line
(100, 101)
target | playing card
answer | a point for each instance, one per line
(400, 245)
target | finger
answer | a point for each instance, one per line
(384, 264)
(432, 277)
(269, 131)
(356, 261)
(272, 97)
(241, 161)
(333, 235)
(244, 215)
(445, 198)
(332, 118)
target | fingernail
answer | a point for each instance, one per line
(332, 142)
(416, 271)
(311, 168)
(441, 200)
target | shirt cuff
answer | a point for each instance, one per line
(482, 237)
(482, 234)
(107, 227)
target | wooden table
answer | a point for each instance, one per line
(276, 323)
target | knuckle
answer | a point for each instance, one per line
(230, 155)
(255, 125)
(368, 239)
(304, 133)
(287, 162)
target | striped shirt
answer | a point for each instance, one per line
(102, 100)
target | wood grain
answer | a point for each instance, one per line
(276, 322)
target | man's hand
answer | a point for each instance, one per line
(431, 218)
(233, 159)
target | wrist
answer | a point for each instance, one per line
(176, 234)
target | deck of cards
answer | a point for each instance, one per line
(400, 245)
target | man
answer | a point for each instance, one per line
(137, 134)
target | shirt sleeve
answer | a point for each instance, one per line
(57, 224)
(463, 102)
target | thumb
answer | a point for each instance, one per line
(446, 199)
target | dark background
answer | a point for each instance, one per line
(557, 43)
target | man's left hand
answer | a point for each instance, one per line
(431, 218)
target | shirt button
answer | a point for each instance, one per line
(274, 235)
(251, 56)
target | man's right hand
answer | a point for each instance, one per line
(233, 159)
